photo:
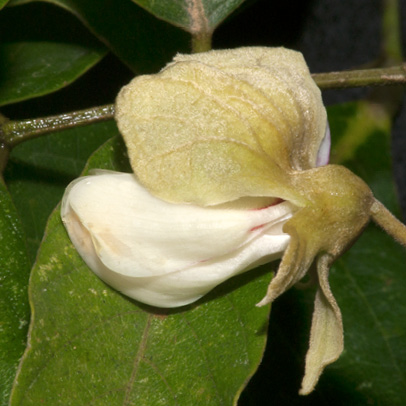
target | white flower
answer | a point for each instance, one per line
(225, 147)
(228, 147)
(165, 254)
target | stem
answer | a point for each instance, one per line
(391, 32)
(14, 132)
(384, 218)
(393, 75)
(201, 42)
(390, 99)
(4, 153)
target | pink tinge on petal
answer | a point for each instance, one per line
(276, 201)
(257, 227)
(323, 156)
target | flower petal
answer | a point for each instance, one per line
(161, 253)
(323, 156)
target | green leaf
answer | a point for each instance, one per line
(3, 3)
(140, 40)
(39, 170)
(368, 283)
(91, 345)
(35, 61)
(14, 309)
(35, 69)
(192, 15)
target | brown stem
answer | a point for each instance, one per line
(14, 132)
(394, 75)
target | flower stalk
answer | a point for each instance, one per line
(385, 219)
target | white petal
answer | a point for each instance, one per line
(160, 253)
(323, 155)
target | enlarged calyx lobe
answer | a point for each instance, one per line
(217, 126)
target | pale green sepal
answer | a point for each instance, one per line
(326, 336)
(214, 127)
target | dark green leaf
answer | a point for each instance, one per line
(42, 51)
(3, 3)
(89, 345)
(192, 15)
(35, 69)
(14, 309)
(40, 169)
(140, 40)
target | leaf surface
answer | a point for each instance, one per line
(36, 61)
(14, 309)
(89, 344)
(139, 39)
(39, 170)
(3, 3)
(192, 15)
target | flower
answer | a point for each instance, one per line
(230, 157)
(166, 254)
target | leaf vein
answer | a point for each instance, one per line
(138, 358)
